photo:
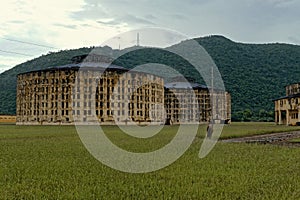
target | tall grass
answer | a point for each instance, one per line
(50, 162)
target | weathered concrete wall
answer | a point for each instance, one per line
(292, 89)
(287, 109)
(190, 106)
(115, 96)
(68, 95)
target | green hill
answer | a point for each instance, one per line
(254, 74)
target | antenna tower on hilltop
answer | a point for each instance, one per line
(138, 39)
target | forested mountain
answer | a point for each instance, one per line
(254, 74)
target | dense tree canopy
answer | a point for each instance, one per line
(254, 74)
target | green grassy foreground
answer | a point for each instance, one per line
(50, 162)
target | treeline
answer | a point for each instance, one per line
(254, 74)
(248, 115)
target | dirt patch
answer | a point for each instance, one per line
(274, 138)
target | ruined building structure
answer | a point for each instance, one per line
(190, 103)
(287, 108)
(94, 92)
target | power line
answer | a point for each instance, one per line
(13, 52)
(30, 43)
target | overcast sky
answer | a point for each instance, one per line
(65, 24)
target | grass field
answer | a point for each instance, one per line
(50, 162)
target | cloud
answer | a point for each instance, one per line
(10, 60)
(3, 68)
(110, 22)
(281, 3)
(16, 22)
(21, 48)
(126, 19)
(150, 17)
(109, 14)
(178, 16)
(136, 20)
(65, 26)
(90, 11)
(76, 23)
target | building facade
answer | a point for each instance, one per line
(91, 92)
(71, 94)
(287, 108)
(190, 103)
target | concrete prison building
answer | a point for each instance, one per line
(287, 108)
(190, 103)
(93, 92)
